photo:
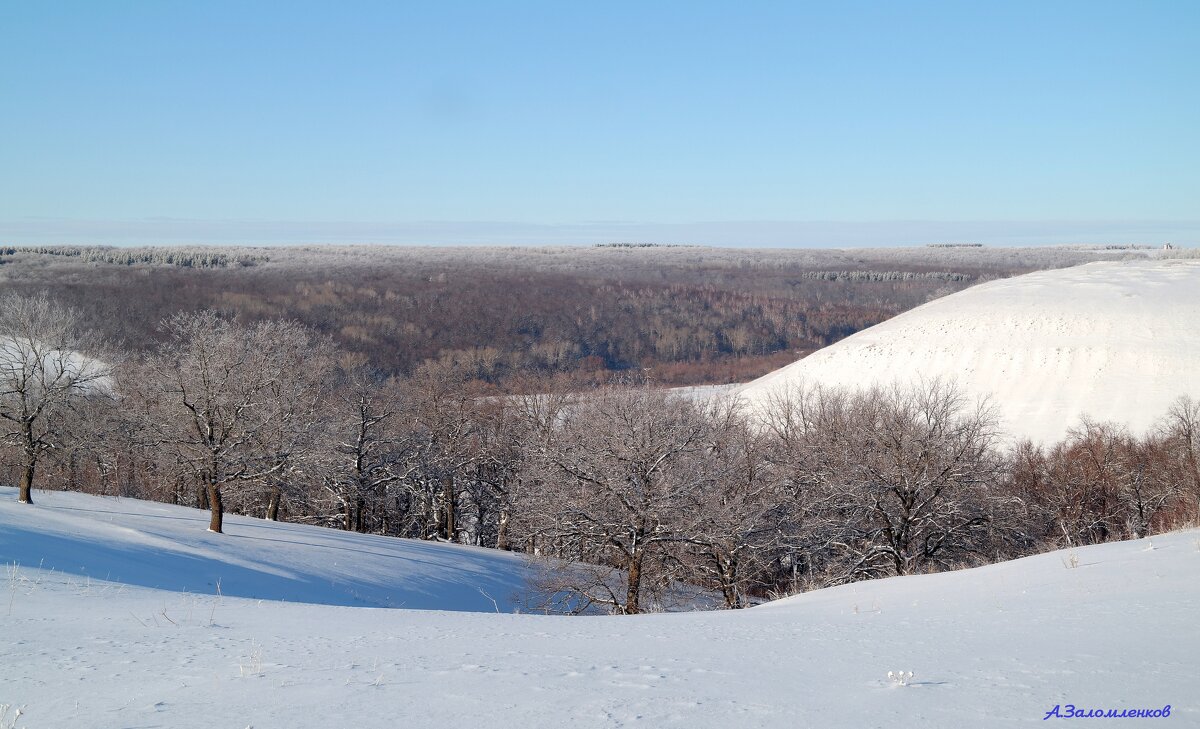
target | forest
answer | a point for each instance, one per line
(682, 315)
(643, 494)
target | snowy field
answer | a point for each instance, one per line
(1112, 340)
(110, 618)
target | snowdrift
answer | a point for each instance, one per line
(1114, 341)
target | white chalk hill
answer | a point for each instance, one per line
(1116, 341)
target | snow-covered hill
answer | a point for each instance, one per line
(1113, 340)
(168, 547)
(1106, 627)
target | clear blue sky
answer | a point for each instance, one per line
(497, 121)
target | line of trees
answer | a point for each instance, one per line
(154, 256)
(651, 496)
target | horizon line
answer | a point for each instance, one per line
(162, 230)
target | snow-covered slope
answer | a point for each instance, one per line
(168, 547)
(1113, 340)
(1000, 646)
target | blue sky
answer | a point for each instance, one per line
(753, 123)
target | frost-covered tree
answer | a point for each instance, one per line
(369, 450)
(44, 372)
(443, 422)
(623, 468)
(229, 402)
(739, 530)
(294, 410)
(894, 480)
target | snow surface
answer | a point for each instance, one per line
(1116, 341)
(169, 547)
(997, 646)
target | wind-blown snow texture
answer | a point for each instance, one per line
(1113, 340)
(997, 646)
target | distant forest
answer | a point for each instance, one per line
(678, 315)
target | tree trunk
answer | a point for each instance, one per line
(26, 495)
(218, 508)
(73, 471)
(448, 497)
(633, 587)
(502, 531)
(728, 571)
(273, 505)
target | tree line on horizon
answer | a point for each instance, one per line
(633, 489)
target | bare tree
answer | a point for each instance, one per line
(1103, 483)
(44, 372)
(901, 477)
(493, 481)
(294, 408)
(217, 399)
(1148, 486)
(740, 530)
(621, 472)
(1083, 484)
(801, 423)
(1181, 430)
(371, 448)
(444, 419)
